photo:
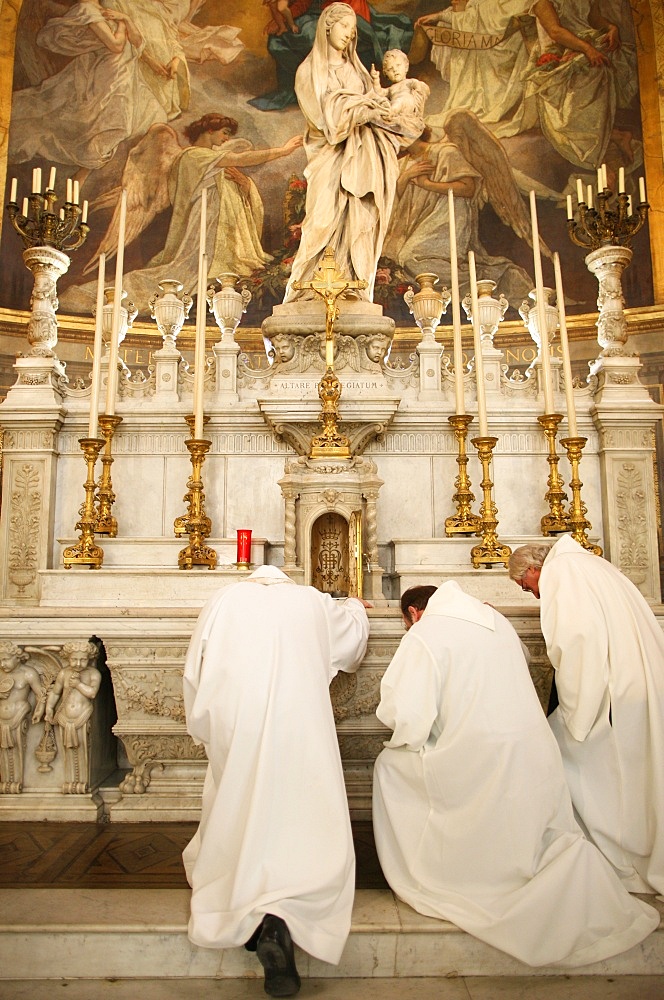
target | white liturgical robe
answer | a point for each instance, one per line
(608, 653)
(472, 816)
(275, 833)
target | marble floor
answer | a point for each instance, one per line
(466, 988)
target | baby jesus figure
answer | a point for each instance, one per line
(406, 96)
(282, 17)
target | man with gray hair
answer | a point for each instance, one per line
(607, 651)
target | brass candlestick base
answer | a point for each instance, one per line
(181, 523)
(464, 522)
(197, 553)
(490, 552)
(556, 521)
(330, 443)
(577, 522)
(106, 523)
(85, 552)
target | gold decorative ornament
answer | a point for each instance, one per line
(464, 522)
(329, 283)
(490, 552)
(85, 552)
(197, 553)
(106, 523)
(556, 521)
(577, 521)
(181, 523)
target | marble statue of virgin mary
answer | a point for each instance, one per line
(351, 142)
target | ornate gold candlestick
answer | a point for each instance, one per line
(556, 521)
(490, 551)
(85, 552)
(577, 522)
(106, 523)
(181, 523)
(464, 522)
(197, 553)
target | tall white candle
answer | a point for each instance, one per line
(51, 179)
(541, 310)
(199, 352)
(570, 210)
(600, 180)
(69, 190)
(112, 383)
(84, 214)
(477, 341)
(97, 350)
(36, 180)
(25, 208)
(621, 180)
(579, 190)
(642, 190)
(605, 178)
(460, 403)
(564, 346)
(76, 192)
(14, 191)
(589, 198)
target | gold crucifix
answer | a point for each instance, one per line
(330, 284)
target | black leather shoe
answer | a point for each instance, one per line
(275, 953)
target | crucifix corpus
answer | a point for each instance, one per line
(330, 284)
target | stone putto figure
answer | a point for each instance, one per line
(351, 141)
(17, 680)
(69, 704)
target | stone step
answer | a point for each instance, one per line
(142, 933)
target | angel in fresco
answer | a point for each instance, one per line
(468, 160)
(160, 173)
(81, 114)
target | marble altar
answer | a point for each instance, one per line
(258, 474)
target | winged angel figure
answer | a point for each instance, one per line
(468, 159)
(160, 173)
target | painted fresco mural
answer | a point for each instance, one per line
(165, 97)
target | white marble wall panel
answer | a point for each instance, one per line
(253, 497)
(407, 496)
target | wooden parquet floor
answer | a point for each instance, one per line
(123, 855)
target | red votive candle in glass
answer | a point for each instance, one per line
(243, 547)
